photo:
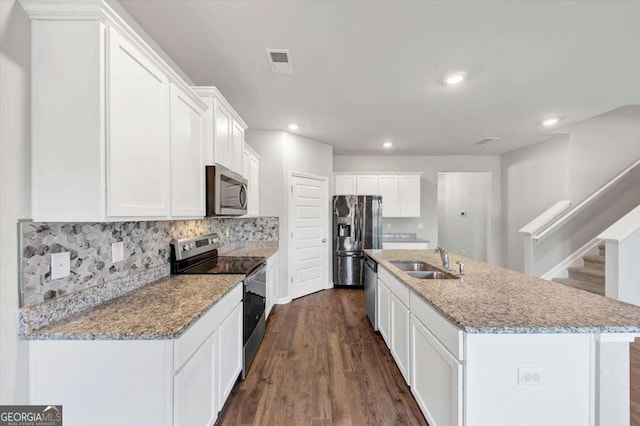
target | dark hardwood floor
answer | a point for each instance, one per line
(321, 363)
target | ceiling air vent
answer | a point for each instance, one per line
(280, 61)
(484, 141)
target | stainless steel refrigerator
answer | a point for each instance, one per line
(357, 225)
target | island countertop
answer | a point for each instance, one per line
(492, 299)
(162, 310)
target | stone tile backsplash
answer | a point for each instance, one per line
(146, 246)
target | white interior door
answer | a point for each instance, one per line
(308, 224)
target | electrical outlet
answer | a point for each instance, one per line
(117, 252)
(60, 265)
(530, 376)
(420, 226)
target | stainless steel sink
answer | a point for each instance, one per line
(411, 265)
(430, 275)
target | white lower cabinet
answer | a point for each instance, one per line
(431, 368)
(230, 353)
(399, 315)
(384, 320)
(436, 378)
(272, 283)
(181, 382)
(195, 400)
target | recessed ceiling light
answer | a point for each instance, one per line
(387, 144)
(550, 122)
(455, 78)
(293, 127)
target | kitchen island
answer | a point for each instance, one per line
(503, 348)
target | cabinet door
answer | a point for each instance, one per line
(222, 134)
(367, 184)
(410, 196)
(384, 320)
(254, 186)
(274, 284)
(237, 147)
(229, 354)
(388, 188)
(246, 161)
(138, 147)
(345, 185)
(399, 315)
(194, 388)
(187, 163)
(436, 378)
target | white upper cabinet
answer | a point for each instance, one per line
(187, 164)
(409, 195)
(138, 152)
(400, 192)
(222, 134)
(345, 185)
(367, 184)
(224, 131)
(388, 189)
(251, 171)
(101, 139)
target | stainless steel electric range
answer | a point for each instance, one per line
(199, 255)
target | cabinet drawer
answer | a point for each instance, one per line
(449, 335)
(400, 290)
(186, 345)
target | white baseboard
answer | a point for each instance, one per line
(560, 270)
(282, 300)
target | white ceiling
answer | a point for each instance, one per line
(365, 72)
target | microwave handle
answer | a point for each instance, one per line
(243, 196)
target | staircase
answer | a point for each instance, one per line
(589, 277)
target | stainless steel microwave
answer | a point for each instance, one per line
(226, 192)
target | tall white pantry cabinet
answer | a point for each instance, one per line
(115, 131)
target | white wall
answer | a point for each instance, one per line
(470, 193)
(280, 153)
(15, 190)
(533, 179)
(570, 167)
(430, 166)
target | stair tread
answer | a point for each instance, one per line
(599, 273)
(582, 285)
(594, 258)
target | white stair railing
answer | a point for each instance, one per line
(622, 258)
(558, 215)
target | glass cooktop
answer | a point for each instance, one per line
(225, 265)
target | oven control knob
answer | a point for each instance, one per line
(185, 247)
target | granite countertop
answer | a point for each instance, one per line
(162, 310)
(402, 238)
(497, 300)
(265, 252)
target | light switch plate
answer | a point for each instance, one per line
(117, 252)
(60, 265)
(388, 226)
(420, 225)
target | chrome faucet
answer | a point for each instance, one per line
(444, 256)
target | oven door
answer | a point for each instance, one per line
(255, 298)
(226, 192)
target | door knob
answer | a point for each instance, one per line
(324, 240)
